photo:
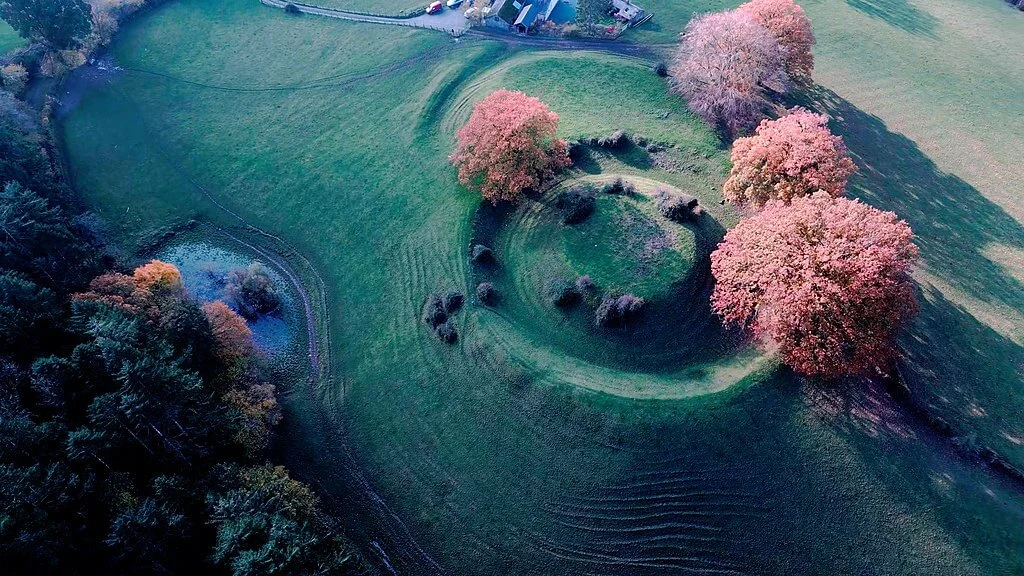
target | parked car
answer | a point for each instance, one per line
(454, 3)
(435, 7)
(470, 13)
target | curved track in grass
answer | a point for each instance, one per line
(472, 459)
(676, 349)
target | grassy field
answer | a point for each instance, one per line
(493, 456)
(9, 39)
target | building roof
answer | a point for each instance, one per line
(527, 15)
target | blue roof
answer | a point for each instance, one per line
(561, 12)
(527, 15)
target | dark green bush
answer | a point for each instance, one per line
(452, 301)
(677, 207)
(433, 311)
(616, 311)
(576, 205)
(486, 293)
(446, 333)
(562, 293)
(253, 291)
(616, 139)
(482, 254)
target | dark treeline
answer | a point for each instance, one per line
(134, 423)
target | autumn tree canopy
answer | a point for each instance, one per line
(725, 66)
(61, 23)
(232, 336)
(826, 279)
(787, 21)
(508, 145)
(793, 156)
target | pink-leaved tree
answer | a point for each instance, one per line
(787, 21)
(793, 156)
(826, 279)
(725, 67)
(508, 145)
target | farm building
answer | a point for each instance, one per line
(520, 15)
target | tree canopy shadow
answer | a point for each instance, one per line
(899, 13)
(966, 373)
(953, 222)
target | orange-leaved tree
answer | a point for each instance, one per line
(826, 279)
(787, 21)
(508, 145)
(793, 156)
(231, 334)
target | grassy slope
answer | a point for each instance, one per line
(494, 470)
(927, 96)
(9, 39)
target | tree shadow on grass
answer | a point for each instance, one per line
(899, 13)
(966, 373)
(953, 222)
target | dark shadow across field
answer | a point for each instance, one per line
(953, 222)
(959, 368)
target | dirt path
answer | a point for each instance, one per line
(455, 24)
(450, 21)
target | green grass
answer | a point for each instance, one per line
(496, 454)
(9, 38)
(614, 248)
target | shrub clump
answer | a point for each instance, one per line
(677, 207)
(436, 311)
(576, 205)
(433, 311)
(661, 69)
(481, 254)
(619, 186)
(446, 333)
(486, 293)
(585, 285)
(616, 311)
(253, 291)
(614, 140)
(562, 293)
(452, 301)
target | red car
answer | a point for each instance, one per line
(435, 8)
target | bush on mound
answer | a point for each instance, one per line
(619, 186)
(434, 313)
(562, 293)
(614, 140)
(576, 205)
(616, 311)
(676, 207)
(481, 255)
(452, 301)
(446, 333)
(486, 293)
(584, 285)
